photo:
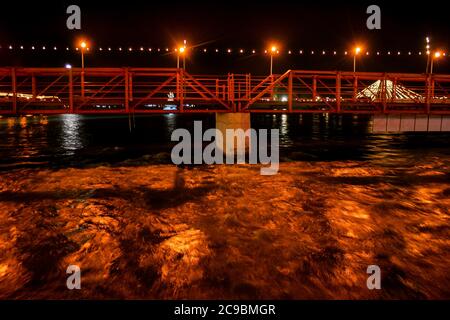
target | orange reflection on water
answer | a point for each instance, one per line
(309, 232)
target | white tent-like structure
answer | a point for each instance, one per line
(397, 92)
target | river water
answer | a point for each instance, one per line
(86, 190)
(79, 140)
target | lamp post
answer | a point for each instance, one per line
(428, 47)
(436, 55)
(181, 51)
(273, 50)
(180, 78)
(357, 51)
(83, 46)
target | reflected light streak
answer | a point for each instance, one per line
(71, 139)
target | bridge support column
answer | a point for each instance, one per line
(233, 121)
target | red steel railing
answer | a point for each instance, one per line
(165, 90)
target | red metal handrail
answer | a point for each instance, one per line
(156, 90)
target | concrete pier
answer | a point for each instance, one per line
(234, 121)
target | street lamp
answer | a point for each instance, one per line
(357, 51)
(181, 51)
(428, 51)
(83, 46)
(436, 55)
(273, 50)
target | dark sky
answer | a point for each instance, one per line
(309, 25)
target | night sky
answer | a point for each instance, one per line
(293, 25)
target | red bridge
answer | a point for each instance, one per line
(150, 90)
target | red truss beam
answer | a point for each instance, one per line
(167, 90)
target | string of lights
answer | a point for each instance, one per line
(215, 50)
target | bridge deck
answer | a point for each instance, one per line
(165, 90)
